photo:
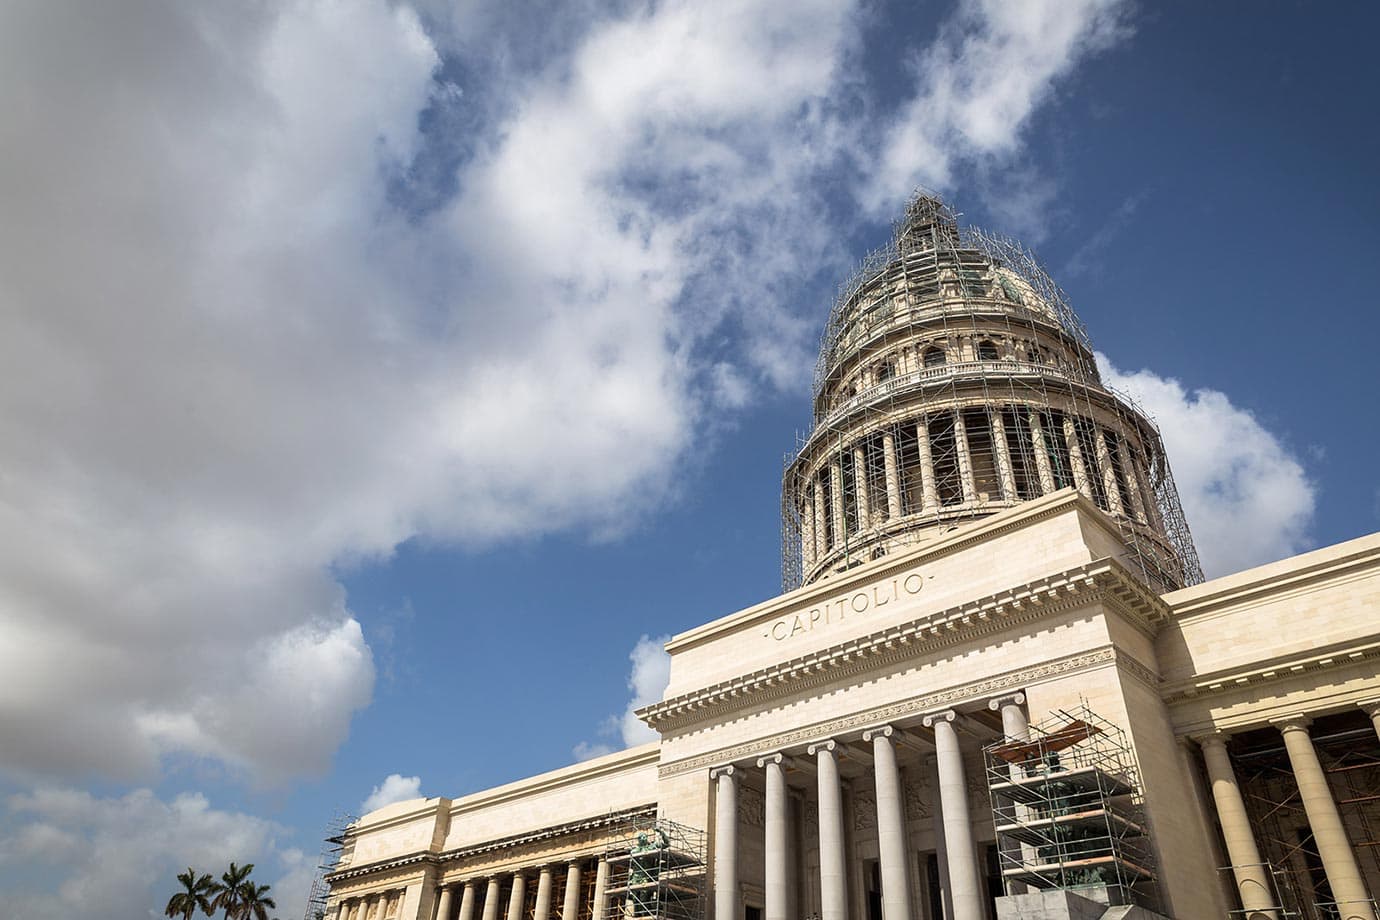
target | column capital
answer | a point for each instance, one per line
(883, 731)
(774, 757)
(1370, 707)
(828, 744)
(1007, 699)
(724, 770)
(1210, 739)
(933, 718)
(1294, 723)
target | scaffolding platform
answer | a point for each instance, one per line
(1067, 811)
(658, 872)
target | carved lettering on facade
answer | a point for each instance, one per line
(840, 608)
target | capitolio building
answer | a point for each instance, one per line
(995, 686)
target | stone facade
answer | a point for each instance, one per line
(830, 741)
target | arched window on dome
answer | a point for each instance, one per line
(987, 350)
(933, 356)
(885, 371)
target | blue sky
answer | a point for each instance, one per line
(380, 375)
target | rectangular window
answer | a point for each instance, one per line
(850, 491)
(944, 459)
(908, 463)
(1020, 444)
(1057, 449)
(1123, 486)
(1087, 447)
(981, 455)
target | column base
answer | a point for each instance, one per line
(1066, 905)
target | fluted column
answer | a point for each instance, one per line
(777, 850)
(929, 495)
(1252, 878)
(599, 910)
(542, 909)
(965, 460)
(833, 867)
(725, 843)
(1005, 473)
(860, 489)
(1104, 464)
(517, 896)
(444, 902)
(807, 534)
(1037, 441)
(570, 905)
(1338, 859)
(467, 898)
(821, 532)
(491, 894)
(891, 825)
(836, 505)
(958, 829)
(1080, 469)
(893, 478)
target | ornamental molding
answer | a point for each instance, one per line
(572, 828)
(914, 706)
(1227, 681)
(1104, 580)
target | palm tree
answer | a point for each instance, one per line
(195, 896)
(229, 891)
(253, 903)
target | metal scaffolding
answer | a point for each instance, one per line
(657, 872)
(1066, 805)
(332, 847)
(955, 380)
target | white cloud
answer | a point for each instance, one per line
(647, 680)
(994, 64)
(1247, 496)
(394, 788)
(71, 855)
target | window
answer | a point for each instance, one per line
(886, 370)
(987, 350)
(933, 356)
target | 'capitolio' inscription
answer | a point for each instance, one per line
(838, 609)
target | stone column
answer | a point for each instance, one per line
(1372, 709)
(1005, 473)
(491, 899)
(1252, 877)
(929, 495)
(958, 830)
(599, 910)
(542, 909)
(891, 825)
(725, 843)
(1079, 468)
(1104, 463)
(443, 903)
(965, 460)
(893, 478)
(467, 897)
(777, 850)
(860, 489)
(840, 521)
(1014, 727)
(1338, 859)
(941, 847)
(821, 532)
(1037, 442)
(570, 905)
(833, 867)
(517, 897)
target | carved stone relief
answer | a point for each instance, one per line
(752, 806)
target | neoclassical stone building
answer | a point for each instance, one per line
(996, 684)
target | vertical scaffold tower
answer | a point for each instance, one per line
(953, 381)
(1067, 809)
(657, 872)
(331, 850)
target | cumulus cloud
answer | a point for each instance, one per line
(394, 788)
(1246, 494)
(647, 680)
(977, 86)
(70, 855)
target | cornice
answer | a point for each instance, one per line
(915, 706)
(516, 840)
(1103, 579)
(1228, 680)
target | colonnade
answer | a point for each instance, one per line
(373, 906)
(1251, 875)
(960, 872)
(1027, 451)
(483, 896)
